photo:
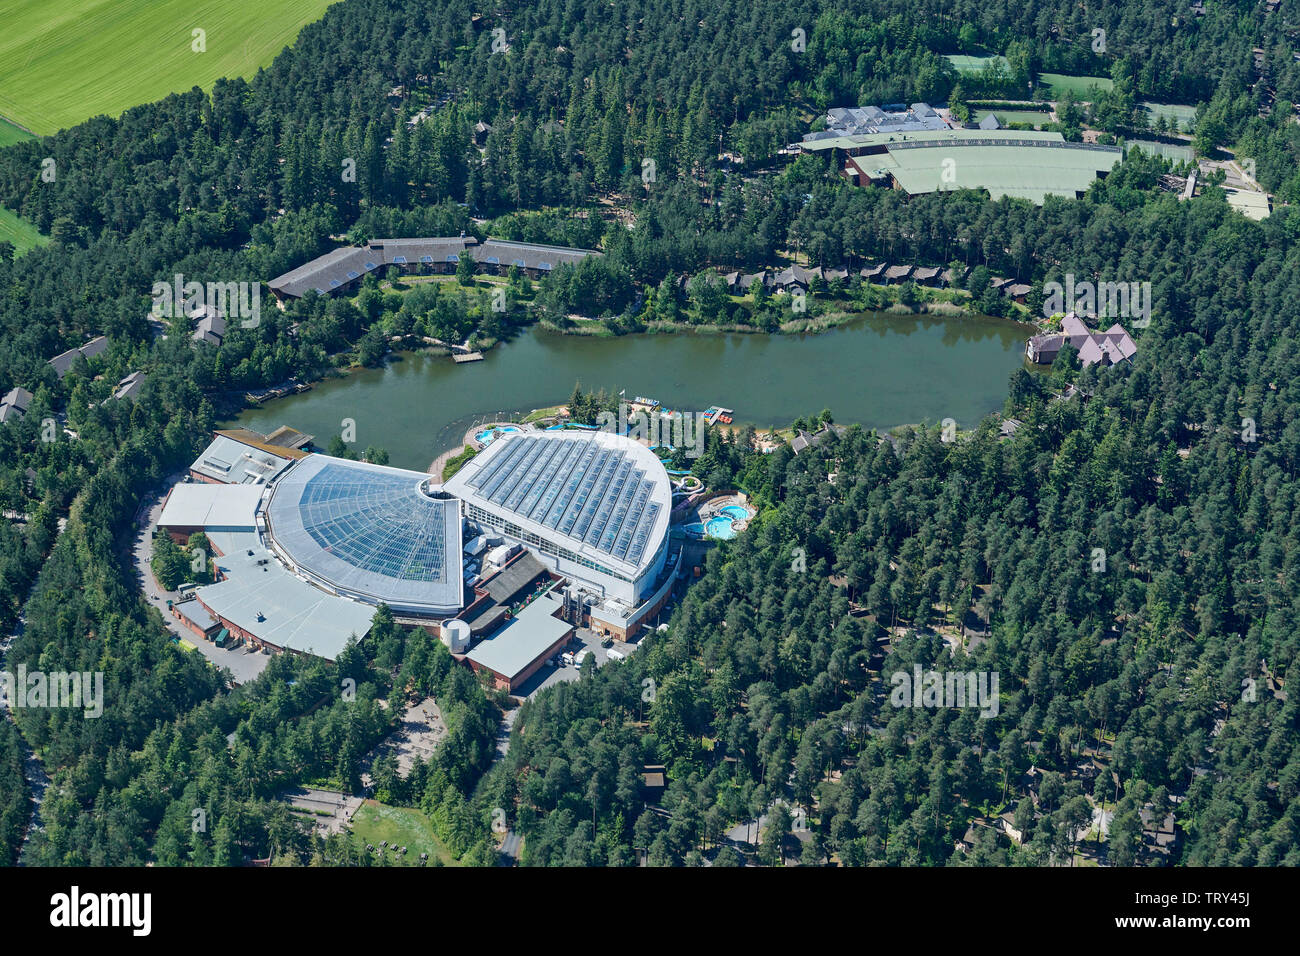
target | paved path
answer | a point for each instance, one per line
(339, 806)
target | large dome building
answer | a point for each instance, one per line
(303, 556)
(369, 532)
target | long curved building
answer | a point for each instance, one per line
(369, 532)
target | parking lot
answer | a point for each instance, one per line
(548, 676)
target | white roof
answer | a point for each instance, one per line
(602, 497)
(235, 463)
(294, 615)
(197, 504)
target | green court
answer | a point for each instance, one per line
(1078, 85)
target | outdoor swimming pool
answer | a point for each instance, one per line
(722, 525)
(485, 437)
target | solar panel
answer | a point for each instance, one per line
(401, 260)
(586, 489)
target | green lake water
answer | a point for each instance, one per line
(879, 370)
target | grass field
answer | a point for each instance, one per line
(1014, 116)
(972, 64)
(10, 134)
(1059, 83)
(1185, 116)
(19, 231)
(403, 826)
(61, 63)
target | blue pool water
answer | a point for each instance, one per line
(717, 527)
(738, 512)
(485, 437)
(720, 527)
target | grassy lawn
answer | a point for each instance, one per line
(19, 231)
(1015, 116)
(10, 134)
(540, 413)
(1059, 83)
(457, 462)
(63, 63)
(403, 826)
(973, 64)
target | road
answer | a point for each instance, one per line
(244, 664)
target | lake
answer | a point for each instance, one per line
(879, 370)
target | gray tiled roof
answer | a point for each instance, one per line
(527, 255)
(64, 361)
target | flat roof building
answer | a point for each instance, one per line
(262, 601)
(521, 646)
(227, 461)
(196, 506)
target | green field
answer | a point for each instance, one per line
(18, 231)
(1059, 83)
(1179, 154)
(973, 64)
(10, 134)
(1037, 118)
(61, 63)
(1185, 116)
(403, 826)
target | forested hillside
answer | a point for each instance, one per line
(767, 682)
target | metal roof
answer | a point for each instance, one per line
(263, 597)
(202, 505)
(338, 267)
(528, 255)
(1028, 170)
(604, 497)
(521, 641)
(235, 463)
(371, 532)
(935, 137)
